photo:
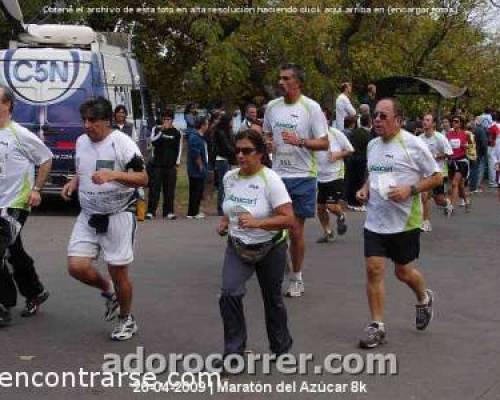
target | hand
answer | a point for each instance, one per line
(399, 193)
(247, 220)
(334, 156)
(290, 138)
(222, 227)
(35, 198)
(362, 195)
(103, 176)
(68, 190)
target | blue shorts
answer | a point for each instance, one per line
(303, 194)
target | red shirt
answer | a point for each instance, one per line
(493, 132)
(458, 142)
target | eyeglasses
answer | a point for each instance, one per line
(246, 151)
(285, 78)
(383, 116)
(456, 120)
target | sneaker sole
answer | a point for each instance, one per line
(433, 298)
(121, 339)
(372, 346)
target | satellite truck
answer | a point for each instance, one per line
(53, 69)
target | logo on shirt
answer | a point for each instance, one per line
(285, 125)
(252, 186)
(380, 168)
(242, 200)
(389, 156)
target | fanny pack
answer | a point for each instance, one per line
(253, 253)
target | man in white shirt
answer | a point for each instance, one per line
(343, 106)
(297, 127)
(400, 167)
(20, 151)
(109, 169)
(440, 149)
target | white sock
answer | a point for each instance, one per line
(297, 276)
(426, 299)
(380, 324)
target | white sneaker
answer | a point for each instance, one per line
(199, 216)
(149, 216)
(426, 226)
(295, 288)
(448, 209)
(125, 329)
(461, 203)
(171, 216)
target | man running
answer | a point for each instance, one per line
(440, 149)
(109, 169)
(400, 167)
(297, 127)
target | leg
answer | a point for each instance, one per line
(221, 168)
(123, 287)
(426, 206)
(491, 167)
(8, 291)
(323, 217)
(192, 192)
(408, 274)
(81, 269)
(200, 187)
(375, 288)
(270, 275)
(155, 189)
(235, 274)
(297, 244)
(169, 194)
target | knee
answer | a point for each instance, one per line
(403, 274)
(321, 208)
(75, 269)
(374, 272)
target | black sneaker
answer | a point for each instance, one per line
(375, 336)
(341, 225)
(33, 304)
(5, 316)
(424, 312)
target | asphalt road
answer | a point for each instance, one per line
(176, 279)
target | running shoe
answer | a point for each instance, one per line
(461, 202)
(126, 328)
(374, 336)
(149, 216)
(448, 209)
(327, 237)
(33, 304)
(171, 216)
(468, 205)
(426, 226)
(341, 225)
(424, 312)
(112, 306)
(295, 288)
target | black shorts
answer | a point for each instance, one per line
(461, 166)
(440, 189)
(330, 192)
(402, 248)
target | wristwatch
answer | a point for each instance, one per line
(35, 189)
(414, 190)
(302, 142)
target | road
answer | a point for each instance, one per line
(176, 279)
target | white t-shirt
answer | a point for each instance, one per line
(404, 160)
(114, 152)
(20, 151)
(258, 195)
(438, 144)
(305, 118)
(331, 171)
(343, 109)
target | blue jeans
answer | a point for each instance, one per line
(221, 167)
(477, 171)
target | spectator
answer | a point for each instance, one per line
(343, 106)
(120, 122)
(197, 167)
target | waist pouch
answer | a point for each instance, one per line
(100, 222)
(253, 253)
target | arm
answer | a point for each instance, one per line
(282, 218)
(179, 154)
(338, 155)
(401, 193)
(43, 172)
(310, 144)
(69, 188)
(223, 225)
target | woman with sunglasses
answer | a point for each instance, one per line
(257, 211)
(458, 166)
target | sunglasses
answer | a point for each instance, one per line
(456, 120)
(246, 151)
(383, 116)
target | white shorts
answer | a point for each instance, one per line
(117, 244)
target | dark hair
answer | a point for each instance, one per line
(298, 71)
(496, 116)
(248, 106)
(350, 121)
(8, 97)
(120, 107)
(431, 114)
(365, 120)
(200, 121)
(460, 118)
(224, 123)
(396, 105)
(97, 108)
(255, 137)
(168, 114)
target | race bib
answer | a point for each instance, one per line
(455, 143)
(286, 158)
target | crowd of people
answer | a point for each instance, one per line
(288, 162)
